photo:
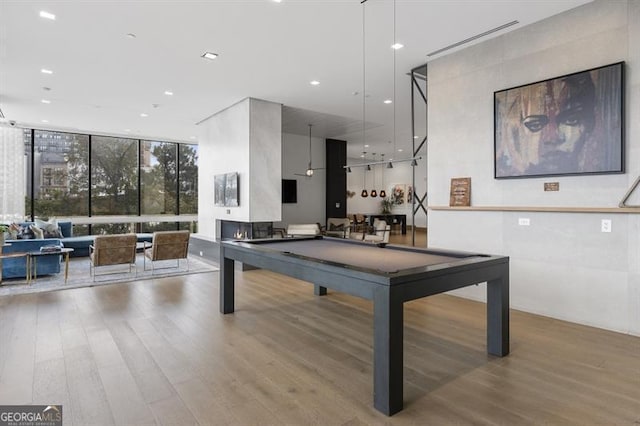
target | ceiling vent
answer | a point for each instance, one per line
(475, 37)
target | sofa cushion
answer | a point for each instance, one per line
(66, 227)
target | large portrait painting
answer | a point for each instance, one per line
(562, 126)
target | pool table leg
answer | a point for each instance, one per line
(498, 315)
(227, 284)
(318, 290)
(387, 350)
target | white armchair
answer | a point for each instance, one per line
(380, 233)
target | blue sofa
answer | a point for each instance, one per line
(14, 268)
(17, 267)
(79, 244)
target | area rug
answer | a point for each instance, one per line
(79, 275)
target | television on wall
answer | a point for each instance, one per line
(289, 191)
(226, 190)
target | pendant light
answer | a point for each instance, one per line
(364, 193)
(383, 193)
(309, 171)
(374, 193)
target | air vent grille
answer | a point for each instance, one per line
(475, 37)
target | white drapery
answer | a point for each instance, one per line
(12, 174)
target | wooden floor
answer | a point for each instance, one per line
(158, 352)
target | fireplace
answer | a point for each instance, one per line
(234, 230)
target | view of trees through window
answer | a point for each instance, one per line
(80, 175)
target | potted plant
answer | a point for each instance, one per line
(387, 204)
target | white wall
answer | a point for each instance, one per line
(561, 265)
(401, 173)
(310, 207)
(244, 138)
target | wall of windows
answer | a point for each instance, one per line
(72, 174)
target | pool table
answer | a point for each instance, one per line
(389, 276)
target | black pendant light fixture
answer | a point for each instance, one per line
(374, 193)
(364, 193)
(309, 171)
(383, 193)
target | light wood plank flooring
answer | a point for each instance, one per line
(158, 352)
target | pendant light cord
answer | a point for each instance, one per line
(310, 146)
(394, 78)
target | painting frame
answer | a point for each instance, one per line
(226, 193)
(562, 126)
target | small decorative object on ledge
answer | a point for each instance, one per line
(460, 195)
(552, 186)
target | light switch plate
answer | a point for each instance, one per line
(606, 225)
(524, 221)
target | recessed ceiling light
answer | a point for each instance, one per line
(209, 55)
(277, 1)
(47, 15)
(366, 146)
(388, 101)
(127, 130)
(45, 101)
(397, 46)
(45, 121)
(168, 92)
(144, 115)
(314, 82)
(361, 155)
(400, 149)
(46, 71)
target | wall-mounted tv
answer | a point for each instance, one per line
(226, 190)
(289, 191)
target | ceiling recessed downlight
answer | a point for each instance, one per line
(45, 121)
(388, 101)
(144, 115)
(46, 71)
(314, 82)
(400, 150)
(168, 92)
(209, 55)
(47, 15)
(366, 146)
(45, 101)
(397, 46)
(277, 1)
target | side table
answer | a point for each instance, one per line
(14, 255)
(33, 255)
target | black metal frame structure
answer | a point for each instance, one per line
(419, 202)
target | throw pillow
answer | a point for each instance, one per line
(37, 232)
(333, 227)
(14, 228)
(50, 228)
(25, 233)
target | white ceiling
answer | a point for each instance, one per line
(103, 80)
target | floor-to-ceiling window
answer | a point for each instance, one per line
(81, 175)
(60, 173)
